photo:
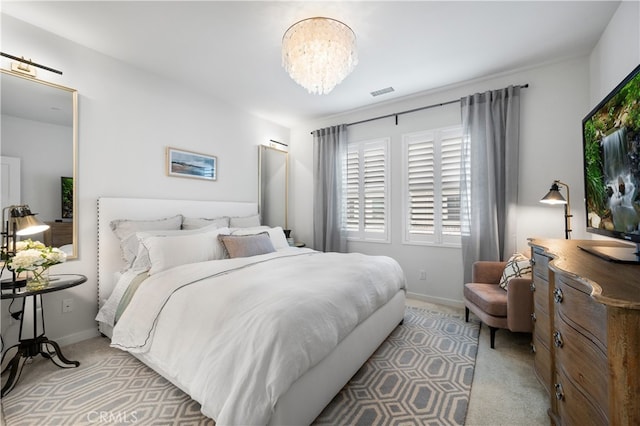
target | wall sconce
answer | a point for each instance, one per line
(19, 222)
(554, 197)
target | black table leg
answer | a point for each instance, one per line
(30, 348)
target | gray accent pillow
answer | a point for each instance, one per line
(247, 245)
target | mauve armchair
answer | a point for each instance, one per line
(497, 308)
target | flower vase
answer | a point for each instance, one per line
(38, 279)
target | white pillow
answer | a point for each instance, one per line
(171, 251)
(245, 221)
(142, 261)
(199, 222)
(276, 234)
(126, 229)
(518, 266)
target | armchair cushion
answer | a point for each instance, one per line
(490, 298)
(518, 266)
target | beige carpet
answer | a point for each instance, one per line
(504, 390)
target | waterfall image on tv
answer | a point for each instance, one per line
(612, 162)
(66, 191)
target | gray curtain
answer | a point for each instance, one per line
(489, 175)
(329, 152)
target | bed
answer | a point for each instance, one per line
(297, 372)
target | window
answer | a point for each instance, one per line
(367, 168)
(432, 186)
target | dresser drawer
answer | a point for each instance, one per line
(542, 326)
(540, 265)
(583, 363)
(542, 363)
(540, 295)
(573, 407)
(579, 310)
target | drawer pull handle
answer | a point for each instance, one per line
(533, 348)
(533, 317)
(557, 339)
(533, 261)
(532, 286)
(559, 392)
(557, 295)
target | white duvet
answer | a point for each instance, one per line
(236, 333)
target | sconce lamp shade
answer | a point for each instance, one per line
(553, 196)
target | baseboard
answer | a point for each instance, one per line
(77, 337)
(439, 300)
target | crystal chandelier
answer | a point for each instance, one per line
(318, 53)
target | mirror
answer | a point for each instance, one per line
(273, 187)
(39, 155)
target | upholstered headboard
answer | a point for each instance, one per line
(109, 257)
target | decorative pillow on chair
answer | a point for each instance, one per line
(517, 266)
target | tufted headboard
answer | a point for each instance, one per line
(109, 257)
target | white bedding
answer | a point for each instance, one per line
(236, 333)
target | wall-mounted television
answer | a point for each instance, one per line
(66, 200)
(611, 147)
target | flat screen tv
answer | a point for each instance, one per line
(66, 191)
(611, 146)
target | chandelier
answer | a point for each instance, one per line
(318, 53)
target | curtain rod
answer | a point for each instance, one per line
(396, 114)
(522, 86)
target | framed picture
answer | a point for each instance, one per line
(189, 164)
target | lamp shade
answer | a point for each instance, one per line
(553, 196)
(25, 222)
(28, 225)
(318, 53)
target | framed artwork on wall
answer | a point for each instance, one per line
(190, 164)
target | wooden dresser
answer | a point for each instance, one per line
(58, 234)
(586, 335)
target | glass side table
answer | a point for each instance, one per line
(38, 343)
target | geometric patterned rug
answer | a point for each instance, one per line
(421, 374)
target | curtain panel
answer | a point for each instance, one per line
(329, 153)
(489, 175)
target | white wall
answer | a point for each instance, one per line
(617, 52)
(45, 151)
(126, 119)
(550, 148)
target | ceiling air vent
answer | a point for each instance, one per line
(382, 91)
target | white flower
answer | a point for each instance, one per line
(31, 255)
(55, 255)
(27, 260)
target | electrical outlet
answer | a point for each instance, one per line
(423, 274)
(67, 305)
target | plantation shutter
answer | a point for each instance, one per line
(353, 191)
(366, 209)
(451, 148)
(432, 186)
(374, 166)
(420, 173)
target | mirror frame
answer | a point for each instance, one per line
(261, 150)
(74, 98)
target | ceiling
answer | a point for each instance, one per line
(231, 49)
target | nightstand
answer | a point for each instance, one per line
(37, 344)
